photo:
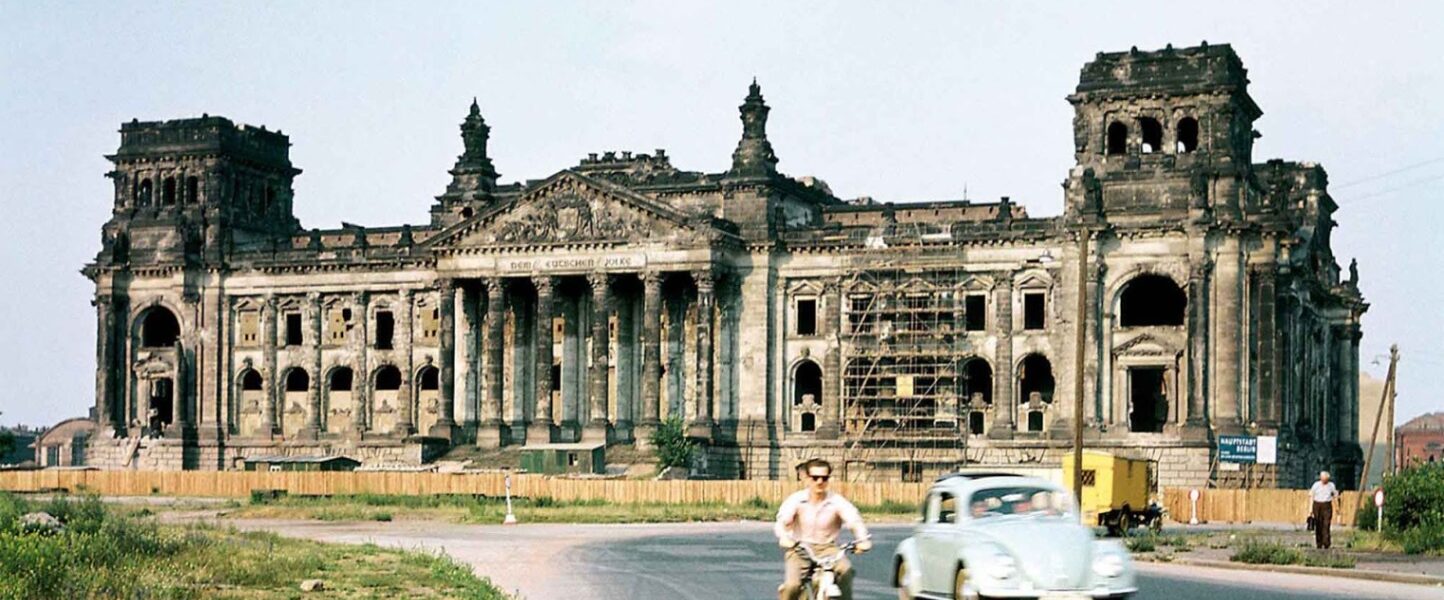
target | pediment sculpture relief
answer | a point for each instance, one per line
(570, 218)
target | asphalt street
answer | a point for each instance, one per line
(716, 561)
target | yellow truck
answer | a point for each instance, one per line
(1115, 492)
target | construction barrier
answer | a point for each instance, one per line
(240, 484)
(1253, 506)
(1214, 505)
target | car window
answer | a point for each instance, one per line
(947, 508)
(1017, 500)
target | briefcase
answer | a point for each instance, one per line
(1310, 523)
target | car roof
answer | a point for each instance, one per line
(966, 483)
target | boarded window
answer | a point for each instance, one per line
(975, 312)
(293, 329)
(430, 324)
(338, 325)
(807, 316)
(385, 329)
(249, 325)
(1033, 310)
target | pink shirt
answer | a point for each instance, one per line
(816, 522)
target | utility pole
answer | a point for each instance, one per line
(1379, 418)
(1081, 322)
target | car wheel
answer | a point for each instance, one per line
(902, 586)
(960, 591)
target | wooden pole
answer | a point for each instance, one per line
(1379, 418)
(1081, 323)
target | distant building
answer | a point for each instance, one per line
(779, 321)
(1371, 392)
(1421, 440)
(64, 445)
(22, 451)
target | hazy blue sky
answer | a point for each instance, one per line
(899, 101)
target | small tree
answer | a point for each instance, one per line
(7, 442)
(674, 448)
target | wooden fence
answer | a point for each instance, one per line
(1214, 506)
(239, 484)
(1253, 506)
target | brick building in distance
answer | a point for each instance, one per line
(777, 320)
(1421, 440)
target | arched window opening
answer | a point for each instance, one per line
(193, 190)
(1187, 134)
(1035, 376)
(1152, 135)
(167, 192)
(429, 378)
(809, 422)
(388, 379)
(341, 380)
(1151, 300)
(975, 386)
(297, 380)
(1117, 139)
(159, 329)
(467, 212)
(807, 384)
(250, 381)
(142, 197)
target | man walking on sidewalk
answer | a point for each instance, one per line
(1323, 494)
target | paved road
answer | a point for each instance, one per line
(739, 560)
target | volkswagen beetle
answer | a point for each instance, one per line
(1003, 536)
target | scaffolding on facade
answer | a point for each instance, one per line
(910, 397)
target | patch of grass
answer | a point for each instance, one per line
(1331, 560)
(1144, 543)
(1256, 552)
(1371, 541)
(541, 509)
(100, 554)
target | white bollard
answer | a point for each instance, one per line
(1193, 506)
(510, 516)
(1379, 505)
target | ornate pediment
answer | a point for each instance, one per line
(571, 208)
(1147, 344)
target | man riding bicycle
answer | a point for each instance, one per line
(813, 516)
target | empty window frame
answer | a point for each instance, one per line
(1187, 135)
(1117, 139)
(806, 316)
(1034, 310)
(385, 330)
(1152, 132)
(975, 312)
(294, 335)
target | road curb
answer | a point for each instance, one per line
(1363, 574)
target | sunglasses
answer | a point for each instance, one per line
(820, 477)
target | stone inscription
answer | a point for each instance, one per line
(573, 264)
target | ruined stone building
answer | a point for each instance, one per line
(776, 319)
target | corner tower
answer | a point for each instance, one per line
(1162, 131)
(192, 188)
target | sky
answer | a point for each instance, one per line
(898, 101)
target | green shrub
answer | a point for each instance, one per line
(1424, 538)
(1414, 496)
(1142, 543)
(1366, 517)
(384, 517)
(674, 448)
(1258, 552)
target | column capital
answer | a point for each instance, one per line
(404, 295)
(598, 280)
(705, 279)
(651, 279)
(313, 298)
(544, 284)
(444, 283)
(492, 284)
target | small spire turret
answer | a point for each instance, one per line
(754, 156)
(473, 179)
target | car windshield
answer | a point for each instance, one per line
(1020, 501)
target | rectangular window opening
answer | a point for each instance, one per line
(975, 316)
(1033, 311)
(807, 317)
(385, 329)
(293, 329)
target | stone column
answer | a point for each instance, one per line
(269, 313)
(489, 434)
(1269, 410)
(1227, 325)
(405, 325)
(447, 297)
(313, 392)
(541, 428)
(831, 426)
(701, 426)
(651, 356)
(361, 377)
(596, 427)
(466, 362)
(1198, 346)
(1004, 399)
(105, 408)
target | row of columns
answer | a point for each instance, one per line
(540, 425)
